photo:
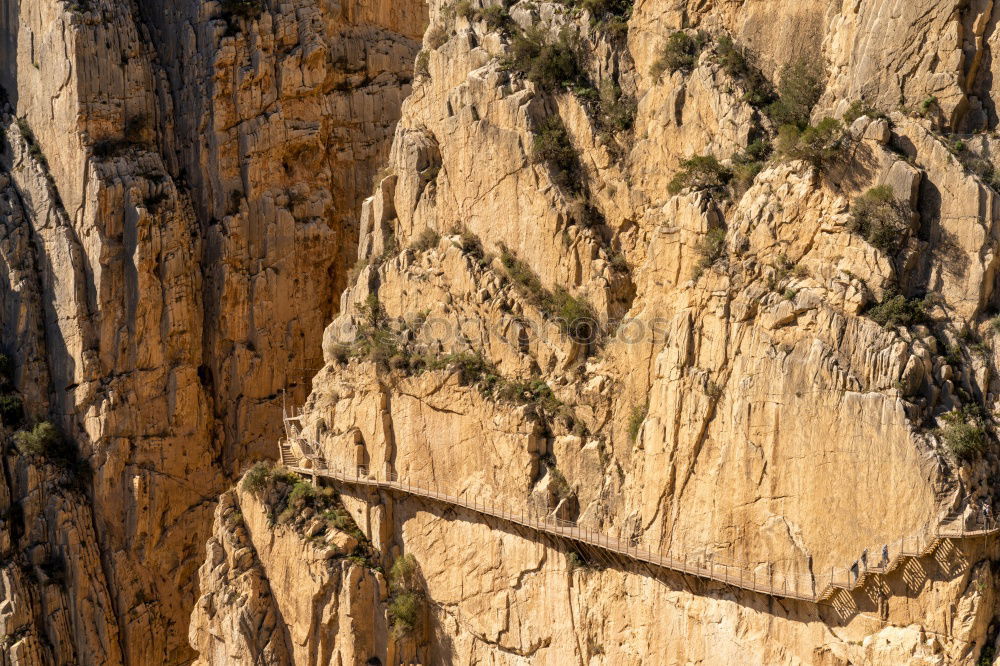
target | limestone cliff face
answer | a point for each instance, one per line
(748, 401)
(280, 595)
(737, 367)
(180, 184)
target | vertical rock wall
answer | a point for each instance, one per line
(186, 204)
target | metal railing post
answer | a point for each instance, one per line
(923, 541)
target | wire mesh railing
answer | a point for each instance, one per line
(759, 577)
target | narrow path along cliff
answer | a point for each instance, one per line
(702, 296)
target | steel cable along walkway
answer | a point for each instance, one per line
(804, 587)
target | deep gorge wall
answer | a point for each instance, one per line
(777, 424)
(179, 221)
(184, 193)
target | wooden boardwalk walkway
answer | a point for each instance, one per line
(803, 587)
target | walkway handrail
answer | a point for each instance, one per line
(805, 587)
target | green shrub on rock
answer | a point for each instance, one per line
(636, 418)
(818, 145)
(552, 147)
(406, 600)
(799, 89)
(897, 310)
(551, 65)
(879, 218)
(737, 63)
(679, 54)
(963, 432)
(255, 480)
(701, 173)
(44, 439)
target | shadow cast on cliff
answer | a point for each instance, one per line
(869, 602)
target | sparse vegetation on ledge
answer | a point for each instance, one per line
(679, 54)
(575, 316)
(549, 64)
(963, 432)
(378, 343)
(738, 63)
(406, 600)
(880, 219)
(496, 17)
(46, 441)
(710, 249)
(636, 418)
(701, 173)
(427, 239)
(609, 16)
(818, 145)
(800, 87)
(290, 500)
(897, 310)
(35, 150)
(552, 147)
(476, 371)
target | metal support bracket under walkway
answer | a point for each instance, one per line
(803, 587)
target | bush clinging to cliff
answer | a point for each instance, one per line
(44, 439)
(963, 432)
(636, 419)
(47, 441)
(256, 478)
(880, 218)
(747, 164)
(817, 145)
(799, 89)
(737, 63)
(550, 65)
(679, 54)
(427, 239)
(616, 110)
(406, 602)
(552, 147)
(575, 316)
(897, 310)
(701, 173)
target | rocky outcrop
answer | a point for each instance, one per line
(275, 595)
